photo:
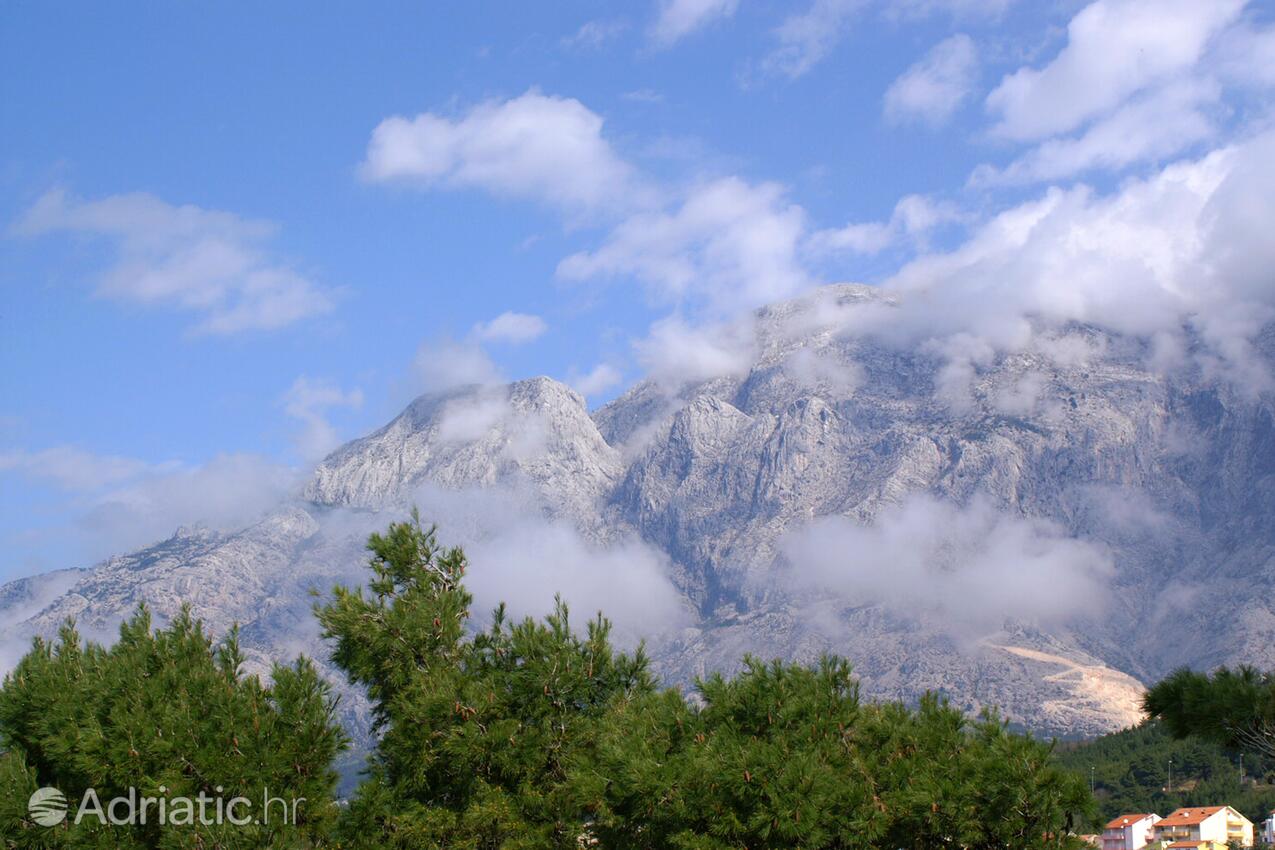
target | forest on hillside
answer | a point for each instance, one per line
(1130, 772)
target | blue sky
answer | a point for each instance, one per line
(235, 234)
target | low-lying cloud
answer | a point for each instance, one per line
(521, 557)
(308, 400)
(972, 567)
(119, 504)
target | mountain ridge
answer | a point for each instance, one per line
(969, 524)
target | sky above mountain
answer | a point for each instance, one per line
(233, 236)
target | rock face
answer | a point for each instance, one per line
(1091, 522)
(535, 431)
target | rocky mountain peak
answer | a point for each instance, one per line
(535, 432)
(1048, 525)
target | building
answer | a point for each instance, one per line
(1129, 832)
(1204, 828)
(1268, 829)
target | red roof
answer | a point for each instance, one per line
(1126, 820)
(1190, 816)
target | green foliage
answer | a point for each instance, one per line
(1131, 774)
(164, 708)
(531, 734)
(1233, 708)
(478, 732)
(785, 756)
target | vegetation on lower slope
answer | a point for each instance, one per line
(1131, 770)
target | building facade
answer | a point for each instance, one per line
(1204, 828)
(1129, 832)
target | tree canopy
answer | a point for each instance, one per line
(165, 709)
(528, 734)
(1231, 707)
(1130, 770)
(531, 735)
(788, 756)
(479, 731)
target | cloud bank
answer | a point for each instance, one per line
(1172, 253)
(120, 504)
(523, 559)
(972, 567)
(1137, 81)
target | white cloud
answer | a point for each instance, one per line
(510, 327)
(956, 8)
(731, 244)
(467, 419)
(643, 96)
(1115, 48)
(725, 243)
(1245, 55)
(963, 355)
(528, 561)
(308, 400)
(933, 89)
(535, 146)
(593, 35)
(1154, 127)
(676, 354)
(1186, 247)
(443, 364)
(203, 261)
(1020, 398)
(677, 19)
(227, 492)
(912, 218)
(72, 468)
(806, 37)
(599, 379)
(1138, 81)
(818, 370)
(519, 557)
(120, 504)
(972, 566)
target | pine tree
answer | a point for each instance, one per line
(477, 732)
(166, 713)
(1233, 708)
(785, 756)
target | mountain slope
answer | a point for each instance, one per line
(1039, 529)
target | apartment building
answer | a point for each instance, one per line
(1129, 832)
(1204, 828)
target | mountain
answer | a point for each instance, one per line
(1043, 528)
